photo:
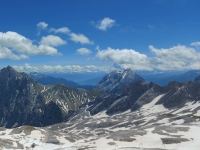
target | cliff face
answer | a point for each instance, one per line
(23, 101)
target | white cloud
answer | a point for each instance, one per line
(125, 57)
(52, 40)
(77, 38)
(64, 30)
(178, 57)
(23, 46)
(105, 24)
(175, 58)
(42, 25)
(66, 69)
(83, 51)
(80, 38)
(48, 50)
(7, 53)
(195, 44)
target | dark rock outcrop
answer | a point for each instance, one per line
(135, 95)
(23, 101)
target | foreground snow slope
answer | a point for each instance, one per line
(152, 127)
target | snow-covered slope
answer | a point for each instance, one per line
(152, 127)
(141, 116)
(116, 80)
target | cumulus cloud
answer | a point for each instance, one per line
(7, 53)
(14, 42)
(66, 69)
(125, 57)
(105, 24)
(52, 40)
(64, 30)
(178, 57)
(83, 51)
(42, 25)
(195, 44)
(77, 38)
(175, 58)
(80, 38)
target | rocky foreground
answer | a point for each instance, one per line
(152, 127)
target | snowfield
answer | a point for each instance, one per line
(153, 127)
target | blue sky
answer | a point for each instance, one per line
(91, 35)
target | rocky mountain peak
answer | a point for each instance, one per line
(116, 80)
(8, 69)
(24, 101)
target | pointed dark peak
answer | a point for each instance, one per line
(10, 72)
(8, 69)
(8, 66)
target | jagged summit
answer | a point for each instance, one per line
(8, 68)
(10, 73)
(24, 101)
(116, 80)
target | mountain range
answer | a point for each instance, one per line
(164, 78)
(48, 80)
(123, 111)
(24, 101)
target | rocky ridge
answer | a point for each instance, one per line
(135, 95)
(140, 116)
(23, 101)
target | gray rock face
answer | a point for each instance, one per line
(23, 101)
(177, 94)
(135, 95)
(116, 80)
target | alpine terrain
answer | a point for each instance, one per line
(23, 101)
(130, 114)
(116, 80)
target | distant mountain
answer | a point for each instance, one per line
(116, 80)
(92, 81)
(82, 78)
(164, 79)
(197, 78)
(23, 101)
(47, 80)
(133, 114)
(189, 75)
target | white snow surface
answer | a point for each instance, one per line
(86, 134)
(150, 108)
